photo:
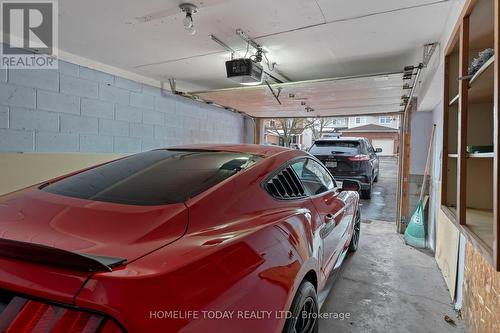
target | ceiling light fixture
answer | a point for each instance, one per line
(256, 83)
(188, 23)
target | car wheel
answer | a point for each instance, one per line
(304, 311)
(367, 193)
(353, 245)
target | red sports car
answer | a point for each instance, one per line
(213, 238)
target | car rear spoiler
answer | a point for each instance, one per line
(57, 257)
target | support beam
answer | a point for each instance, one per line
(463, 87)
(259, 123)
(496, 138)
(400, 172)
(446, 114)
(404, 167)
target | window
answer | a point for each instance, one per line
(285, 185)
(315, 178)
(153, 178)
(369, 146)
(385, 120)
(331, 147)
(360, 120)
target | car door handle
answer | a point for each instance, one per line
(329, 218)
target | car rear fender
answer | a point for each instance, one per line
(236, 267)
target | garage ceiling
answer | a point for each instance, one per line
(330, 97)
(308, 39)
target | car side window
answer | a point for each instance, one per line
(369, 147)
(313, 176)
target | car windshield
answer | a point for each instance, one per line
(335, 147)
(153, 178)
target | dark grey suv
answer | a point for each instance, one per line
(349, 158)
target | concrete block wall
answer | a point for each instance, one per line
(415, 183)
(78, 109)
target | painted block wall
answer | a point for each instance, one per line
(435, 180)
(421, 127)
(78, 109)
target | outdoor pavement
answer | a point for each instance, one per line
(387, 286)
(382, 205)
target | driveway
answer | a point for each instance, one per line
(382, 205)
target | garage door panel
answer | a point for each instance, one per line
(332, 97)
(387, 146)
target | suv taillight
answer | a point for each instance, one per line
(359, 158)
(22, 315)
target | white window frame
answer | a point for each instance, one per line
(385, 120)
(362, 120)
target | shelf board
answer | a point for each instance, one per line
(475, 155)
(481, 84)
(481, 155)
(481, 70)
(480, 223)
(478, 229)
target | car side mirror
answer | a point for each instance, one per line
(351, 185)
(378, 150)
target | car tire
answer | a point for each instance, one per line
(304, 311)
(353, 245)
(367, 193)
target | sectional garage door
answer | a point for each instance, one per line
(387, 146)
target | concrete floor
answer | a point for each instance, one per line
(382, 205)
(387, 286)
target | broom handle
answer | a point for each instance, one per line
(427, 164)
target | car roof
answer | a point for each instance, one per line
(260, 150)
(341, 139)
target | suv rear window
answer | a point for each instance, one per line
(154, 178)
(335, 147)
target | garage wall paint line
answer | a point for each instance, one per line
(78, 109)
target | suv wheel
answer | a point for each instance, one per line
(366, 193)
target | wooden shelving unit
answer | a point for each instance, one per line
(479, 90)
(470, 193)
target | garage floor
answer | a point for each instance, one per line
(387, 286)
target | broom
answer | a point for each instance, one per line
(415, 231)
